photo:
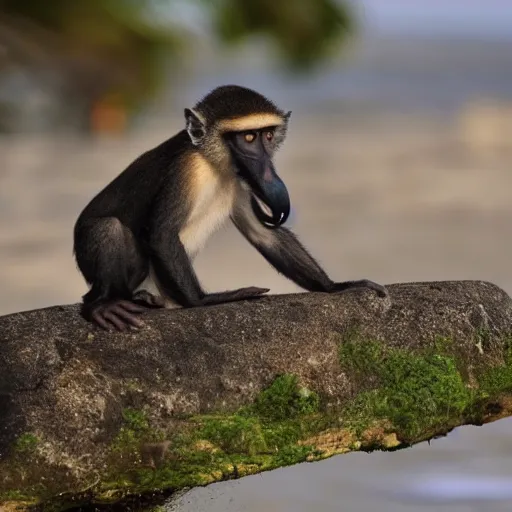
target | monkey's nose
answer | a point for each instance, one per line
(267, 174)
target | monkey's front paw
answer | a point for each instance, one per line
(116, 313)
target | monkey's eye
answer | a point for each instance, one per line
(269, 135)
(249, 137)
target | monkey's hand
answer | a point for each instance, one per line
(362, 283)
(120, 314)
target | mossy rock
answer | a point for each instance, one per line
(219, 393)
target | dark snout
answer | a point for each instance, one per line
(269, 189)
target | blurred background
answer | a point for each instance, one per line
(398, 162)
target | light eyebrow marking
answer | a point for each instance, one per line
(250, 122)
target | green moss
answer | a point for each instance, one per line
(15, 495)
(292, 454)
(279, 435)
(207, 448)
(415, 392)
(284, 399)
(26, 443)
(496, 380)
(275, 420)
(360, 358)
(135, 419)
(234, 434)
(443, 345)
(136, 428)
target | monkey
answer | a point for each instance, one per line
(136, 240)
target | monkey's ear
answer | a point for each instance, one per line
(288, 115)
(195, 126)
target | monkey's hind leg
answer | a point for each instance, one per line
(111, 261)
(148, 299)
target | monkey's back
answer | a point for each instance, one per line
(131, 196)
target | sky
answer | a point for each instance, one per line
(477, 17)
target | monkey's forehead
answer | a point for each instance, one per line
(250, 122)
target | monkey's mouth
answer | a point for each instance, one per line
(269, 217)
(270, 201)
(263, 206)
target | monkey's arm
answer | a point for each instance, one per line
(282, 249)
(175, 273)
(178, 280)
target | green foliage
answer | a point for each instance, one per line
(304, 32)
(415, 392)
(130, 40)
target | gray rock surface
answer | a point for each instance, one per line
(68, 383)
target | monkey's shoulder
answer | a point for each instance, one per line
(165, 155)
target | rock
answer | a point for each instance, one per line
(206, 394)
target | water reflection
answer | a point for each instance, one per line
(446, 487)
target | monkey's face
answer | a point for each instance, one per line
(252, 153)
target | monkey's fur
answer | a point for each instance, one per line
(135, 241)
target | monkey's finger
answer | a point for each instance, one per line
(128, 317)
(131, 306)
(100, 321)
(113, 319)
